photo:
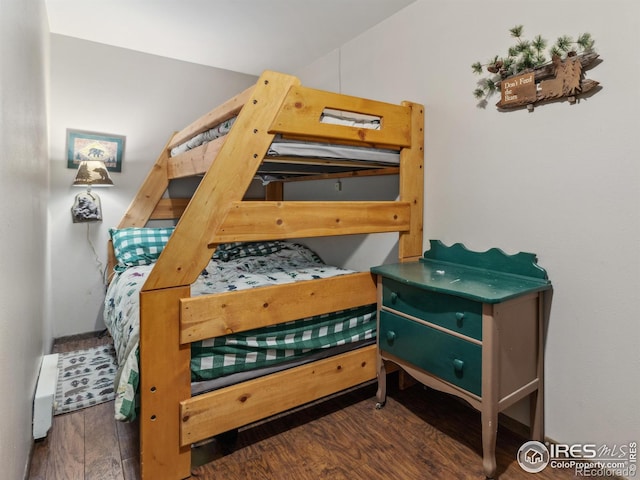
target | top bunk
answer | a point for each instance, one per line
(278, 131)
(290, 158)
(314, 133)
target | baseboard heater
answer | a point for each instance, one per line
(44, 401)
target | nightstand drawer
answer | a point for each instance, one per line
(451, 358)
(453, 313)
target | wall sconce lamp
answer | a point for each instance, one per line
(87, 208)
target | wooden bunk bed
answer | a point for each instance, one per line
(171, 419)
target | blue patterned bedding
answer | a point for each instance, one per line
(234, 267)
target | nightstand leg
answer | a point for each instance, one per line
(381, 394)
(489, 435)
(489, 408)
(536, 399)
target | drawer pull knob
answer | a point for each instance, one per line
(459, 319)
(394, 297)
(391, 336)
(458, 365)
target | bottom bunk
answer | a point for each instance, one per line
(304, 351)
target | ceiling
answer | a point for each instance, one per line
(246, 36)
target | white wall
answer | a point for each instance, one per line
(23, 221)
(113, 90)
(562, 181)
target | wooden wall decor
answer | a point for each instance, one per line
(526, 77)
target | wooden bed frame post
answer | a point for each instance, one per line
(163, 386)
(274, 192)
(412, 186)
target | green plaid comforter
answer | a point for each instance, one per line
(234, 267)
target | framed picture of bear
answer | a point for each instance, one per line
(84, 146)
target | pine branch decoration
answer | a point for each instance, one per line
(526, 55)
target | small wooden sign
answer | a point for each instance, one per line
(559, 79)
(518, 90)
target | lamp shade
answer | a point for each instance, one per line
(92, 173)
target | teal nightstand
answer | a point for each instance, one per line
(470, 324)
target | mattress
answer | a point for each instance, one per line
(281, 147)
(233, 357)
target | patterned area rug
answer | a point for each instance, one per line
(85, 378)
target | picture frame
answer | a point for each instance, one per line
(83, 145)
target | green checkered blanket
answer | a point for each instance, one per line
(234, 267)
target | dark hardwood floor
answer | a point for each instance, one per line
(419, 434)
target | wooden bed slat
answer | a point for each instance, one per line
(223, 112)
(359, 173)
(224, 313)
(303, 107)
(169, 208)
(195, 161)
(222, 410)
(355, 164)
(278, 220)
(148, 195)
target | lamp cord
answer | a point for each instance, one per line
(97, 258)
